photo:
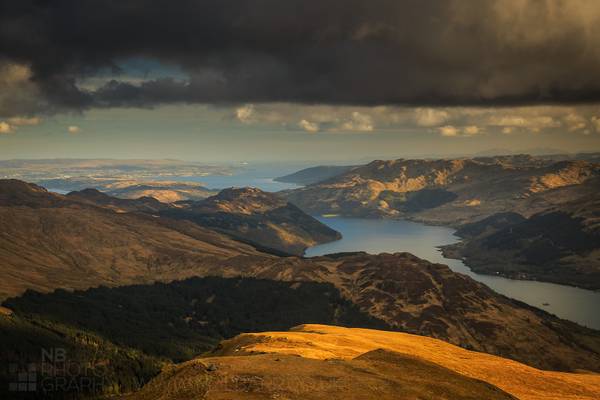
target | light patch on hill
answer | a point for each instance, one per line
(330, 342)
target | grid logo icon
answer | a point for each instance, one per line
(26, 380)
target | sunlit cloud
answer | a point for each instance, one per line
(596, 123)
(245, 114)
(449, 122)
(309, 126)
(575, 122)
(12, 124)
(22, 121)
(449, 131)
(358, 122)
(5, 128)
(430, 117)
(471, 130)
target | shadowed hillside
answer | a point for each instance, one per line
(181, 319)
(261, 219)
(560, 245)
(257, 217)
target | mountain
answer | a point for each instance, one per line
(560, 245)
(311, 175)
(18, 193)
(449, 192)
(256, 217)
(558, 242)
(328, 362)
(128, 188)
(164, 191)
(261, 219)
(96, 197)
(50, 241)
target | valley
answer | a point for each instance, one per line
(561, 191)
(170, 247)
(300, 200)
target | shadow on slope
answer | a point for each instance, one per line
(181, 319)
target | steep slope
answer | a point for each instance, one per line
(181, 319)
(560, 245)
(257, 217)
(49, 241)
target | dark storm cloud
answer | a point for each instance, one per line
(311, 51)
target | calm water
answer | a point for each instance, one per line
(59, 191)
(376, 236)
(259, 176)
(221, 182)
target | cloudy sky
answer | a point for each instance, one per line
(221, 80)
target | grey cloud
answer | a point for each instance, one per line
(353, 52)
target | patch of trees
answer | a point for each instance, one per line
(136, 329)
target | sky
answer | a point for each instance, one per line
(273, 80)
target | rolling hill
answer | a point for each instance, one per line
(328, 362)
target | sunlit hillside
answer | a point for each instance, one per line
(326, 342)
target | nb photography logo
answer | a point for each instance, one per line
(54, 374)
(26, 379)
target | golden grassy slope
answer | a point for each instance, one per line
(379, 375)
(326, 342)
